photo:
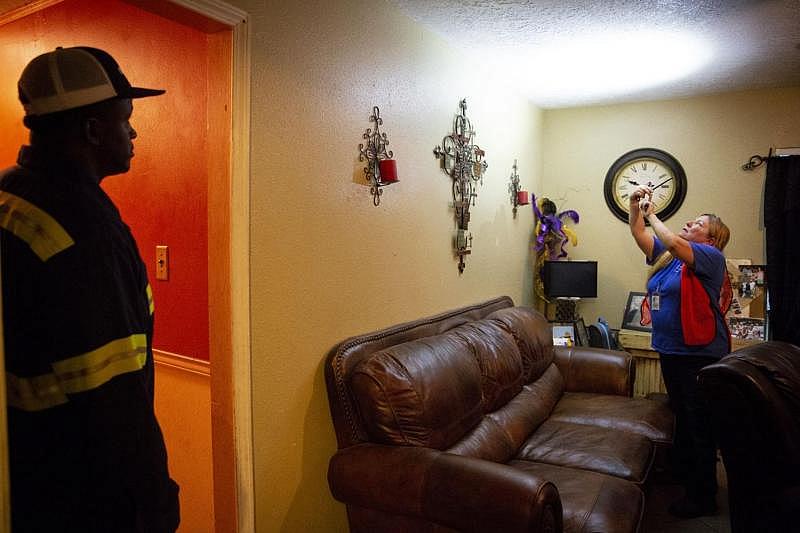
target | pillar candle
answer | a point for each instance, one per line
(388, 170)
(522, 198)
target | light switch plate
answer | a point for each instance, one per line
(162, 262)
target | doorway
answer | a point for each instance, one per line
(226, 203)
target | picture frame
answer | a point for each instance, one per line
(632, 317)
(581, 333)
(739, 308)
(563, 334)
(747, 328)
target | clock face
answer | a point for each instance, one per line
(646, 167)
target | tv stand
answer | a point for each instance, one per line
(567, 309)
(566, 314)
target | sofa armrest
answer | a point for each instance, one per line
(596, 370)
(458, 492)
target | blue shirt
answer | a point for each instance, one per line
(709, 266)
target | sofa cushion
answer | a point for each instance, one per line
(592, 501)
(501, 432)
(649, 418)
(498, 358)
(607, 451)
(425, 392)
(533, 336)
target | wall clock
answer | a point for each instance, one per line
(648, 167)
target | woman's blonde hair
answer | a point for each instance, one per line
(718, 232)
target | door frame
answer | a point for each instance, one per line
(232, 385)
(233, 390)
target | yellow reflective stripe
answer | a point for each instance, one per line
(34, 394)
(43, 234)
(150, 300)
(92, 369)
(77, 374)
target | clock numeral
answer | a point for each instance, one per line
(662, 176)
(624, 196)
(644, 165)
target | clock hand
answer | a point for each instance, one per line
(661, 184)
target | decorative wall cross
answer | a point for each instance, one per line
(464, 162)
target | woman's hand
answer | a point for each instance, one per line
(638, 194)
(646, 206)
(638, 199)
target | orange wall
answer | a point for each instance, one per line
(164, 196)
(183, 404)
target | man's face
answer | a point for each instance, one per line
(115, 148)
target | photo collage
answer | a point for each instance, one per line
(747, 314)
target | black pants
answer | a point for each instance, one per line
(694, 453)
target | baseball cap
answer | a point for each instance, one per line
(67, 78)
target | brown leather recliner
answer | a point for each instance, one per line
(754, 399)
(471, 421)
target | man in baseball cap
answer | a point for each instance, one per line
(86, 450)
(74, 77)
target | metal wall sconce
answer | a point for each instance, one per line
(464, 162)
(518, 196)
(381, 169)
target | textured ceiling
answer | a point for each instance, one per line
(565, 53)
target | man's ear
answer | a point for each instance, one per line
(93, 130)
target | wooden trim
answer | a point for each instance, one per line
(208, 16)
(239, 249)
(240, 277)
(5, 494)
(215, 10)
(182, 362)
(220, 65)
(24, 11)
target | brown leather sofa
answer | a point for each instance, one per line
(471, 421)
(754, 399)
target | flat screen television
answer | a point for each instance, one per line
(570, 279)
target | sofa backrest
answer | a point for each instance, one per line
(476, 389)
(347, 355)
(428, 392)
(533, 336)
(754, 396)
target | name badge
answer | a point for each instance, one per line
(655, 301)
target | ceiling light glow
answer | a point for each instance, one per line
(609, 64)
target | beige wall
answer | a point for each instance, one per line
(326, 263)
(711, 136)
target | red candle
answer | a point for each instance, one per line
(388, 170)
(522, 198)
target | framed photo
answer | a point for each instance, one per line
(751, 291)
(563, 334)
(755, 274)
(581, 333)
(633, 312)
(739, 308)
(746, 328)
